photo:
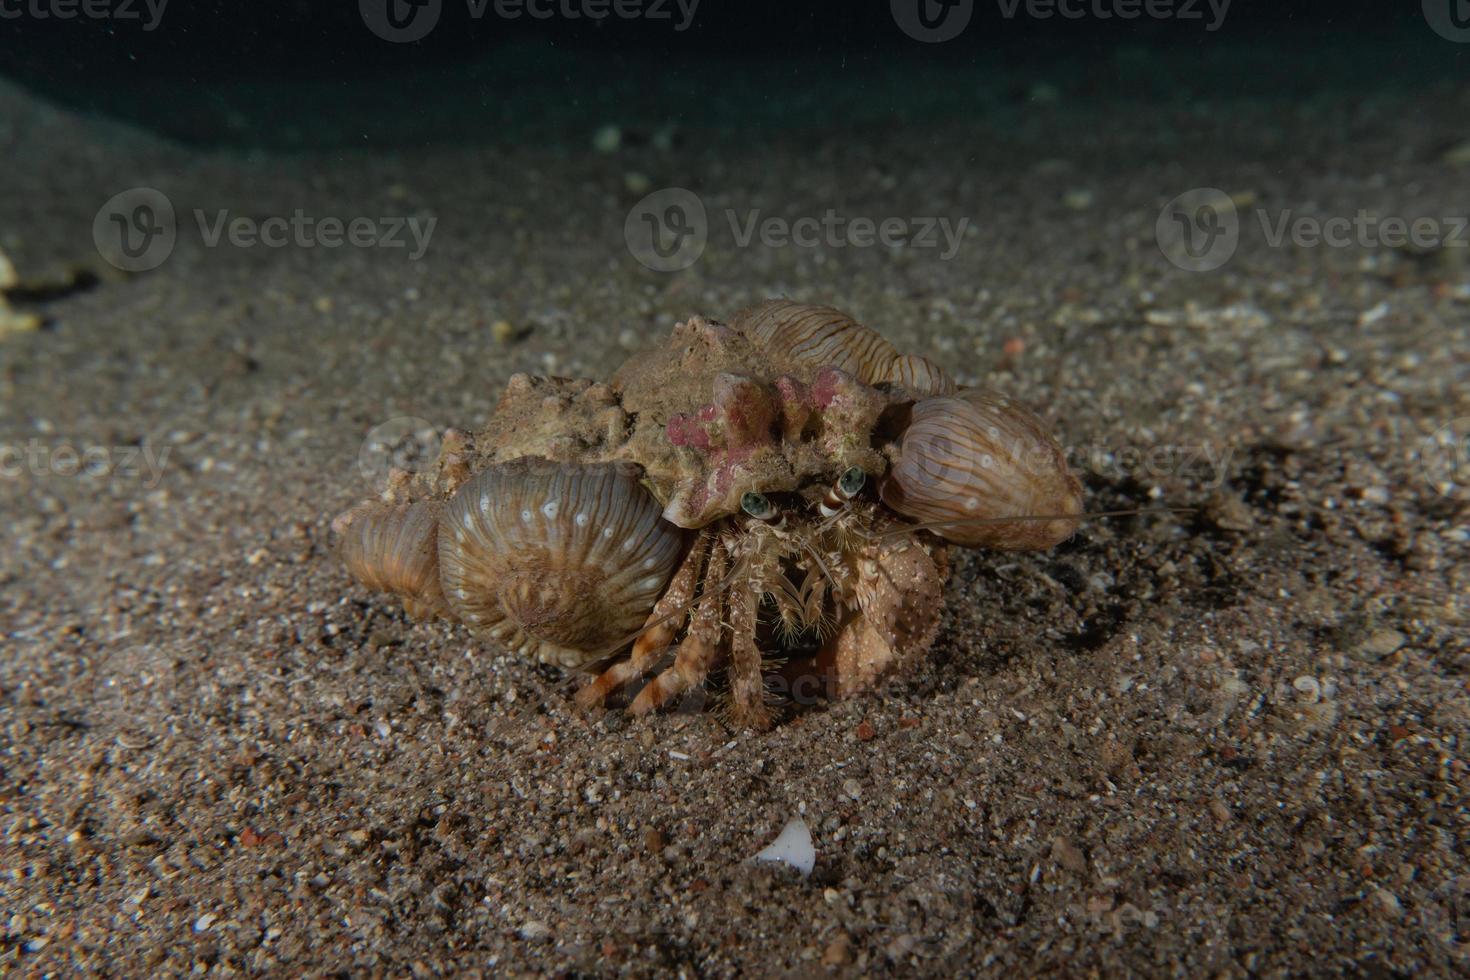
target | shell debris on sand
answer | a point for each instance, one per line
(792, 847)
(12, 322)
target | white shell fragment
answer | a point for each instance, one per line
(792, 847)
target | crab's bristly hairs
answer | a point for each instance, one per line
(992, 521)
(783, 593)
(790, 613)
(819, 563)
(813, 591)
(818, 612)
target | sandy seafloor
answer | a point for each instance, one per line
(1229, 742)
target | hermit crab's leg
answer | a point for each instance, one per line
(662, 626)
(747, 685)
(700, 651)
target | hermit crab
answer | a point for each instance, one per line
(772, 496)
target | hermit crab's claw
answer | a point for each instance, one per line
(979, 470)
(898, 601)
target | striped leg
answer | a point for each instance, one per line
(700, 651)
(748, 705)
(657, 635)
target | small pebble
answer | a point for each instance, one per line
(1078, 199)
(8, 277)
(502, 331)
(1043, 93)
(838, 951)
(12, 322)
(1371, 316)
(1229, 513)
(1067, 855)
(1375, 495)
(1457, 155)
(1382, 643)
(1388, 902)
(607, 139)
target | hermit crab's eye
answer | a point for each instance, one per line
(840, 494)
(758, 506)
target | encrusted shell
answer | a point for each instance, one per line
(977, 456)
(561, 561)
(393, 548)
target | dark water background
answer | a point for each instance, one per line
(315, 75)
